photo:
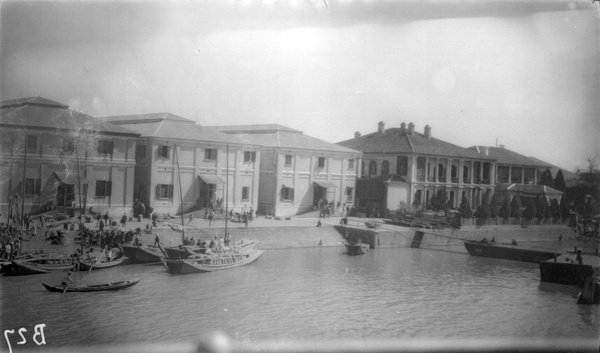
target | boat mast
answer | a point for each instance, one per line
(180, 194)
(79, 191)
(23, 193)
(226, 190)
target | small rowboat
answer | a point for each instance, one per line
(85, 265)
(211, 263)
(37, 266)
(91, 287)
(357, 249)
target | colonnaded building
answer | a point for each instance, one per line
(53, 157)
(403, 168)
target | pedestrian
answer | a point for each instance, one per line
(106, 218)
(123, 220)
(191, 218)
(156, 241)
(101, 225)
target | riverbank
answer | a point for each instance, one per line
(304, 232)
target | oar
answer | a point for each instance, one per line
(64, 291)
(92, 264)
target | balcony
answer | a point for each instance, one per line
(431, 179)
(454, 180)
(466, 180)
(476, 181)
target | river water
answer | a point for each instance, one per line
(305, 294)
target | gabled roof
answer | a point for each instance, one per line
(399, 141)
(527, 189)
(508, 157)
(278, 136)
(169, 126)
(41, 113)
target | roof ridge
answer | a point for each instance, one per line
(412, 148)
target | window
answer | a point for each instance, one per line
(140, 152)
(287, 194)
(351, 164)
(68, 145)
(245, 193)
(103, 188)
(105, 147)
(164, 151)
(385, 167)
(31, 143)
(288, 160)
(32, 186)
(321, 162)
(164, 191)
(249, 156)
(349, 193)
(210, 154)
(372, 168)
(402, 165)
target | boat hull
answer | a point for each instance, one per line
(564, 273)
(91, 288)
(36, 266)
(140, 255)
(211, 263)
(86, 265)
(357, 249)
(508, 252)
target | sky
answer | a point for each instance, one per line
(523, 74)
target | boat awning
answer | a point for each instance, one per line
(211, 179)
(325, 184)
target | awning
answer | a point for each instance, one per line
(71, 178)
(325, 184)
(211, 179)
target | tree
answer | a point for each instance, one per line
(559, 182)
(565, 207)
(505, 210)
(465, 208)
(515, 207)
(540, 205)
(530, 209)
(483, 211)
(494, 209)
(555, 209)
(439, 201)
(546, 178)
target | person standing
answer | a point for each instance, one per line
(123, 221)
(156, 241)
(191, 218)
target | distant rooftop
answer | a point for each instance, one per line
(42, 113)
(504, 156)
(405, 140)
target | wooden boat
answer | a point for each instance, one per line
(357, 249)
(141, 255)
(183, 252)
(590, 293)
(372, 225)
(211, 263)
(91, 287)
(86, 264)
(508, 252)
(37, 266)
(564, 270)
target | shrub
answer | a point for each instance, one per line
(465, 208)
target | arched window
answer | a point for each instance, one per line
(385, 168)
(362, 169)
(372, 168)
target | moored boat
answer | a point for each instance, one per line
(91, 287)
(357, 249)
(213, 262)
(507, 252)
(87, 264)
(590, 293)
(140, 255)
(37, 266)
(564, 269)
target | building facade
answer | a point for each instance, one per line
(403, 169)
(299, 172)
(182, 165)
(53, 157)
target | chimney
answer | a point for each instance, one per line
(357, 134)
(486, 150)
(501, 146)
(411, 128)
(380, 126)
(403, 126)
(427, 131)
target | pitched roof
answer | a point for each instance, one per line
(399, 141)
(527, 189)
(167, 125)
(274, 135)
(505, 156)
(41, 113)
(567, 175)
